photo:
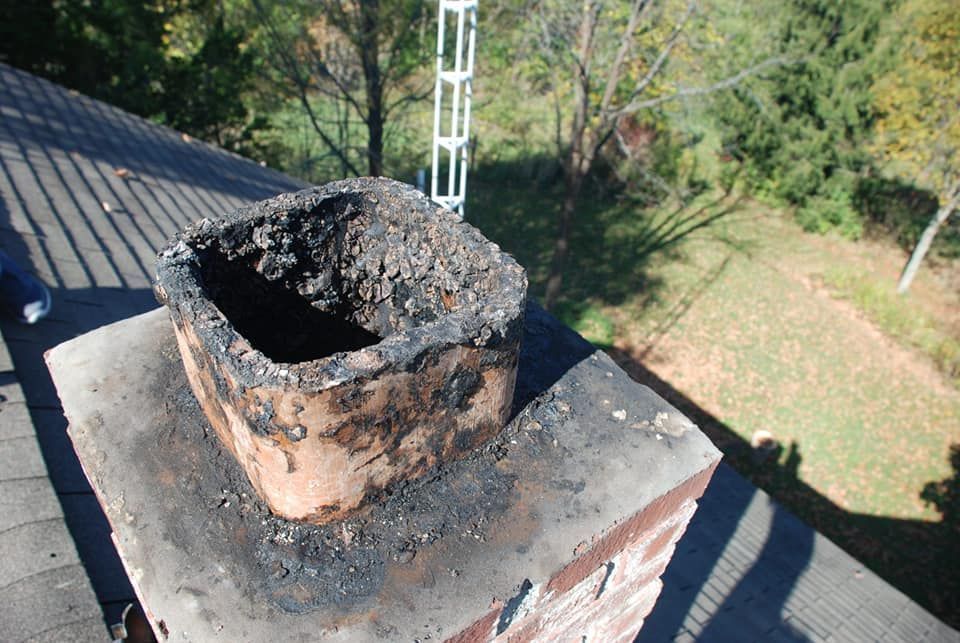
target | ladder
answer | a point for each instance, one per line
(458, 82)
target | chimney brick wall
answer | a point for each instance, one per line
(606, 592)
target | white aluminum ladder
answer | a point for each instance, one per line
(460, 81)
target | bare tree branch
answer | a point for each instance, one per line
(665, 52)
(365, 58)
(684, 92)
(294, 73)
(626, 43)
(600, 52)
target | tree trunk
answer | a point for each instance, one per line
(375, 138)
(370, 60)
(561, 247)
(926, 239)
(579, 157)
(575, 169)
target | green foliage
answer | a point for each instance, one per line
(361, 60)
(919, 126)
(802, 131)
(831, 208)
(303, 154)
(137, 55)
(111, 49)
(203, 92)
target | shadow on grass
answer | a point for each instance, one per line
(902, 210)
(613, 246)
(613, 242)
(921, 559)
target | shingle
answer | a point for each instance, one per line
(56, 605)
(20, 458)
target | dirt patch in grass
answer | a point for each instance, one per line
(744, 327)
(735, 326)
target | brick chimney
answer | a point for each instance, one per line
(343, 339)
(339, 438)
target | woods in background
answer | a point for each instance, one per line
(844, 112)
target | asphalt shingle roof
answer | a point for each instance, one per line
(88, 193)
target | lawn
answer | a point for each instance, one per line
(754, 325)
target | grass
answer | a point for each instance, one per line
(897, 317)
(735, 319)
(589, 320)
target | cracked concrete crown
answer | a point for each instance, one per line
(428, 312)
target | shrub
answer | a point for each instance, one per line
(836, 212)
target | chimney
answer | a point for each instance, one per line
(357, 429)
(344, 339)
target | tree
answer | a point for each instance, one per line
(360, 55)
(919, 129)
(112, 50)
(177, 62)
(802, 132)
(204, 88)
(611, 61)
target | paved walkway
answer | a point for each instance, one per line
(87, 195)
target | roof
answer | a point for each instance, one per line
(749, 570)
(88, 193)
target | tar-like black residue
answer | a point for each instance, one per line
(299, 567)
(461, 386)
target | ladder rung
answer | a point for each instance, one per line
(452, 202)
(452, 143)
(455, 76)
(457, 5)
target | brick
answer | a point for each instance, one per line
(619, 537)
(76, 142)
(481, 631)
(612, 600)
(617, 626)
(319, 432)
